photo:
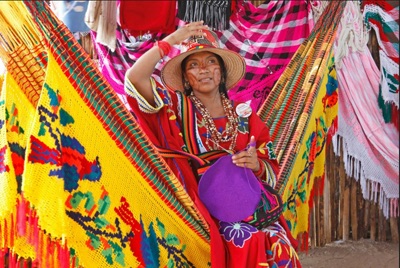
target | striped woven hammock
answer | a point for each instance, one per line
(383, 18)
(301, 112)
(369, 146)
(90, 174)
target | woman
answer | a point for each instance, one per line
(192, 115)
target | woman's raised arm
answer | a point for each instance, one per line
(140, 72)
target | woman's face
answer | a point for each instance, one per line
(203, 72)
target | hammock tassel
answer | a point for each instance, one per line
(12, 231)
(3, 252)
(21, 216)
(215, 14)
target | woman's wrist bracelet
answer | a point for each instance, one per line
(261, 170)
(163, 47)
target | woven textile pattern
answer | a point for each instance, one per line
(301, 112)
(113, 64)
(367, 140)
(267, 37)
(25, 58)
(91, 176)
(17, 112)
(7, 174)
(370, 146)
(23, 52)
(384, 19)
(309, 163)
(94, 192)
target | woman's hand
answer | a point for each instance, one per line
(183, 33)
(140, 72)
(248, 158)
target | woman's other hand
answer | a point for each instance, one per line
(248, 158)
(183, 33)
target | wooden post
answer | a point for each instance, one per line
(367, 217)
(299, 239)
(361, 204)
(354, 210)
(316, 212)
(373, 221)
(388, 235)
(334, 195)
(313, 234)
(394, 229)
(327, 202)
(342, 182)
(337, 198)
(346, 208)
(322, 217)
(317, 215)
(325, 194)
(381, 226)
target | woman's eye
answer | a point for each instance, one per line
(212, 61)
(193, 65)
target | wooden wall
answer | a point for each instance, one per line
(341, 212)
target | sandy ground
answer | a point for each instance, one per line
(352, 254)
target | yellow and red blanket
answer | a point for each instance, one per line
(79, 176)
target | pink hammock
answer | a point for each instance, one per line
(373, 144)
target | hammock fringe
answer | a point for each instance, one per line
(49, 252)
(371, 189)
(17, 33)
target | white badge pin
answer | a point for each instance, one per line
(244, 109)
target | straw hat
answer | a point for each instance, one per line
(171, 73)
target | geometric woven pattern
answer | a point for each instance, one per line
(301, 113)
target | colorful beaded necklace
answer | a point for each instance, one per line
(231, 131)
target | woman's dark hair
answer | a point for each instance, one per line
(222, 85)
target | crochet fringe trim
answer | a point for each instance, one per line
(49, 251)
(371, 190)
(15, 34)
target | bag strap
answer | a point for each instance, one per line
(202, 160)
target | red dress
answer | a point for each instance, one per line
(175, 124)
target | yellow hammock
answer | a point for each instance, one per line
(89, 175)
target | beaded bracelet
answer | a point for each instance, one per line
(261, 170)
(163, 47)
